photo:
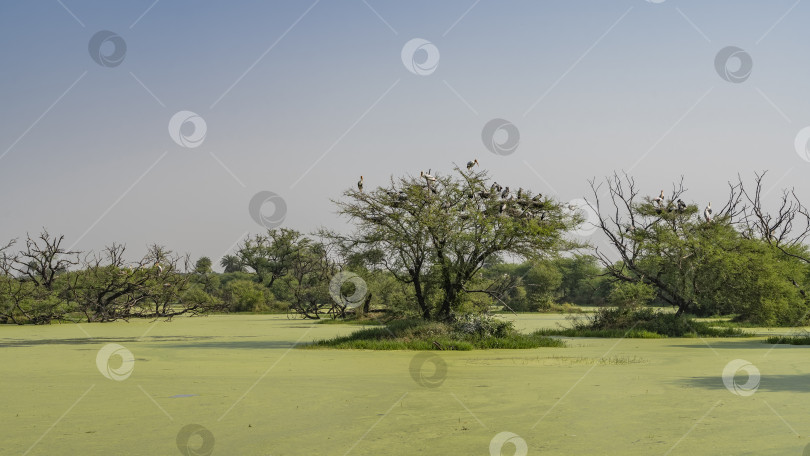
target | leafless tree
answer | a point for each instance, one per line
(43, 258)
(787, 229)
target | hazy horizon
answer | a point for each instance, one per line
(301, 98)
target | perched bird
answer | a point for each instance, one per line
(159, 267)
(427, 176)
(484, 195)
(520, 193)
(537, 201)
(707, 213)
(470, 164)
(659, 201)
(681, 205)
(505, 192)
(360, 184)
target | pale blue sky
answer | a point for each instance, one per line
(279, 87)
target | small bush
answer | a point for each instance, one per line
(802, 338)
(631, 295)
(247, 296)
(466, 332)
(479, 325)
(644, 322)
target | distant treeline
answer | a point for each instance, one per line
(434, 247)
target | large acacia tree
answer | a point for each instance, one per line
(438, 232)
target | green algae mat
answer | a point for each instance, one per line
(235, 385)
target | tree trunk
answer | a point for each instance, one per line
(420, 297)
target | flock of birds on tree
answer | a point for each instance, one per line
(660, 204)
(503, 197)
(498, 199)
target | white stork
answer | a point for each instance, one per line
(427, 176)
(659, 201)
(707, 213)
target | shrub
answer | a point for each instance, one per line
(482, 326)
(247, 296)
(611, 320)
(631, 295)
(465, 333)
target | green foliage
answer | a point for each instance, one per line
(203, 266)
(231, 263)
(247, 296)
(583, 282)
(796, 339)
(699, 266)
(604, 333)
(631, 294)
(482, 326)
(542, 281)
(437, 233)
(612, 321)
(466, 333)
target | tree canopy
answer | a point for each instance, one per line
(437, 232)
